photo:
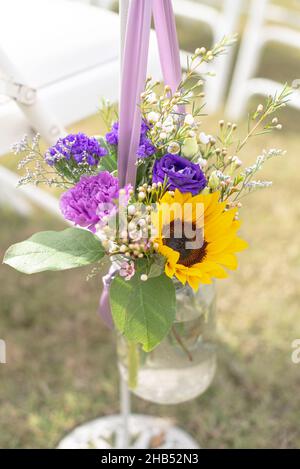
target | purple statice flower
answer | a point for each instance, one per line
(76, 148)
(112, 137)
(92, 198)
(179, 173)
(146, 148)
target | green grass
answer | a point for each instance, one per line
(61, 368)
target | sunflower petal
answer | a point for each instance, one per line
(181, 275)
(169, 270)
(220, 234)
(193, 282)
(227, 260)
(239, 244)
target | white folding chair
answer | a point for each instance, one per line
(222, 17)
(66, 55)
(259, 33)
(13, 87)
(221, 21)
(58, 58)
(102, 3)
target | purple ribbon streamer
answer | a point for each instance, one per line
(165, 26)
(104, 306)
(134, 71)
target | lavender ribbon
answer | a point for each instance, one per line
(165, 26)
(104, 306)
(134, 69)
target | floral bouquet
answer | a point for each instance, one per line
(178, 224)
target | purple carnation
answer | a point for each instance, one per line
(180, 173)
(78, 148)
(90, 199)
(146, 148)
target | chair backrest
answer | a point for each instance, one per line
(260, 30)
(14, 86)
(222, 18)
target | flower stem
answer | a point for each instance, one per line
(133, 364)
(182, 345)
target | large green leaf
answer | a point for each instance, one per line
(143, 311)
(54, 250)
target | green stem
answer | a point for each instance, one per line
(181, 344)
(133, 364)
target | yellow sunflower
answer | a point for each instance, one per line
(206, 241)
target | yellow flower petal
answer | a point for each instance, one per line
(220, 235)
(170, 270)
(181, 275)
(193, 282)
(228, 260)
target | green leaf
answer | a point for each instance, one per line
(109, 161)
(143, 311)
(54, 250)
(155, 270)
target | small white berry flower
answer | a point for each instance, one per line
(153, 117)
(202, 162)
(131, 209)
(174, 148)
(236, 161)
(141, 196)
(189, 119)
(204, 138)
(151, 98)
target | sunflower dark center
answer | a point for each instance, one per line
(188, 234)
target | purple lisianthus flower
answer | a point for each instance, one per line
(92, 198)
(76, 148)
(146, 148)
(180, 174)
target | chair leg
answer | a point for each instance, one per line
(14, 196)
(42, 121)
(247, 61)
(10, 198)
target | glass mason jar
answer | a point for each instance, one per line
(183, 365)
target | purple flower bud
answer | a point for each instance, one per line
(146, 148)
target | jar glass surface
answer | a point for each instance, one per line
(183, 365)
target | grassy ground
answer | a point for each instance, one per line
(61, 368)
